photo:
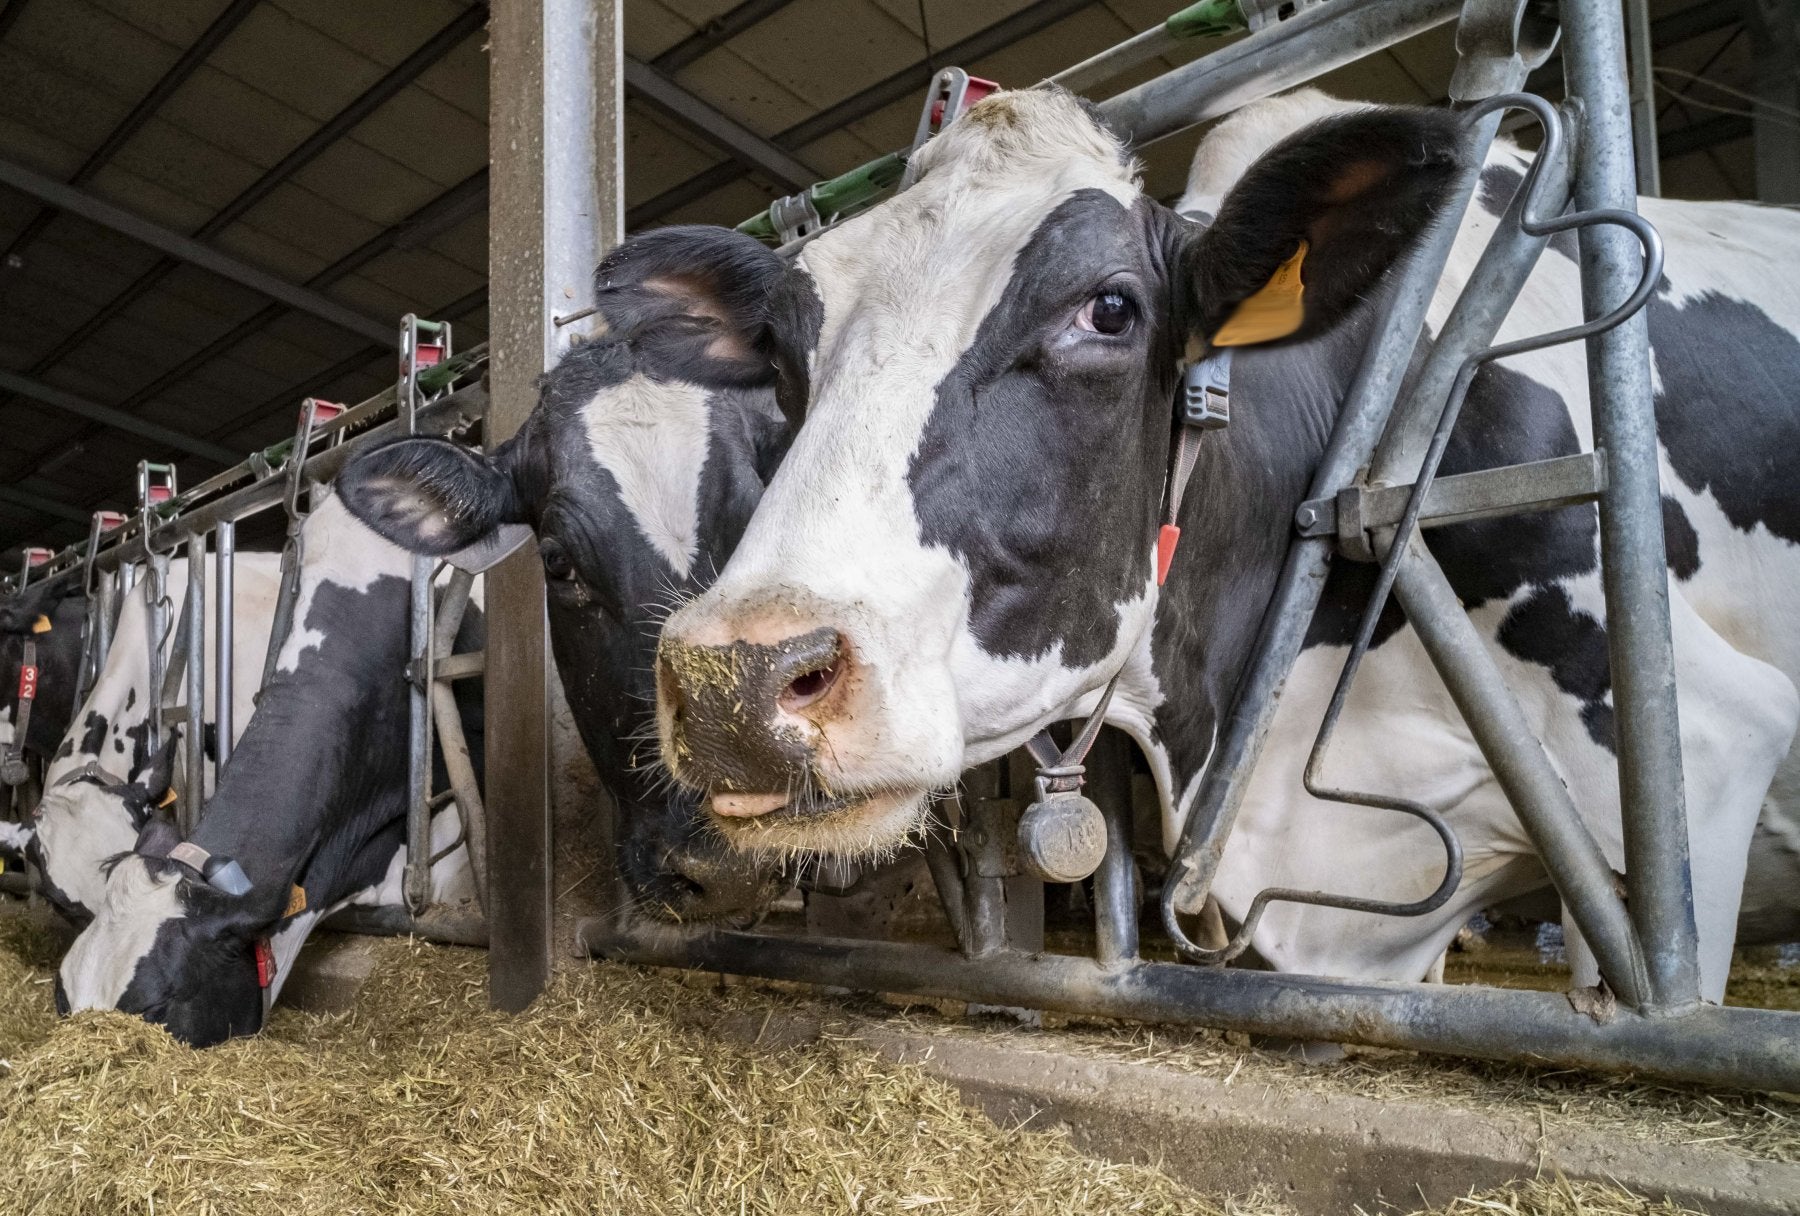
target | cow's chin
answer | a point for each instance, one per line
(854, 827)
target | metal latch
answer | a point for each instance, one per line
(1206, 391)
(951, 94)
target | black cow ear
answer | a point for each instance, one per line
(693, 298)
(157, 837)
(429, 495)
(1315, 223)
(159, 781)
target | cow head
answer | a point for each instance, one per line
(88, 816)
(958, 548)
(171, 947)
(639, 469)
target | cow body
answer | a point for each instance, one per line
(50, 615)
(313, 801)
(83, 820)
(639, 469)
(958, 549)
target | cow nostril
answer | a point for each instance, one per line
(809, 686)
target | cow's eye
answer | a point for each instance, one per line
(557, 564)
(1109, 312)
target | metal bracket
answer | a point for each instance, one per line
(1542, 485)
(1497, 43)
(794, 216)
(951, 94)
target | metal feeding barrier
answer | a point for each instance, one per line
(1375, 488)
(434, 393)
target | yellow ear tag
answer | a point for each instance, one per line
(41, 625)
(296, 901)
(168, 798)
(1275, 311)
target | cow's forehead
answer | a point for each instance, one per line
(945, 246)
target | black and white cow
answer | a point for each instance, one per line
(311, 809)
(49, 615)
(105, 779)
(639, 470)
(959, 547)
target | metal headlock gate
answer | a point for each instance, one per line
(435, 393)
(1644, 938)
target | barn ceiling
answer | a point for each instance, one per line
(339, 147)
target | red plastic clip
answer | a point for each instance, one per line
(1166, 540)
(978, 89)
(325, 411)
(427, 354)
(28, 681)
(110, 520)
(265, 963)
(160, 494)
(37, 557)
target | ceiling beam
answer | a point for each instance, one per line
(177, 75)
(403, 74)
(662, 94)
(41, 504)
(455, 204)
(97, 210)
(81, 407)
(910, 80)
(716, 33)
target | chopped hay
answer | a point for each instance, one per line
(612, 1094)
(607, 1096)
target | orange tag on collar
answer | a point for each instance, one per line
(1275, 311)
(41, 625)
(168, 798)
(296, 901)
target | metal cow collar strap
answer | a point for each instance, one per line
(1062, 835)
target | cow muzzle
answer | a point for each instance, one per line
(743, 720)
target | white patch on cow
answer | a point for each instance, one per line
(99, 966)
(652, 437)
(79, 824)
(14, 836)
(285, 946)
(342, 551)
(838, 519)
(452, 881)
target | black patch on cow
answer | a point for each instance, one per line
(93, 733)
(1545, 628)
(130, 698)
(1052, 544)
(119, 744)
(1499, 183)
(1726, 414)
(1680, 540)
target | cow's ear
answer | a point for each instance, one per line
(430, 495)
(692, 300)
(1314, 224)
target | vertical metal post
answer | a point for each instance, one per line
(1652, 800)
(1643, 98)
(225, 611)
(556, 73)
(1774, 28)
(1115, 882)
(194, 737)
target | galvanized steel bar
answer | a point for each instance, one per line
(224, 641)
(193, 615)
(1275, 58)
(1533, 786)
(555, 137)
(1741, 1048)
(1365, 412)
(1653, 801)
(1643, 99)
(1115, 882)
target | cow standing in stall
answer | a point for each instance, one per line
(960, 548)
(199, 934)
(105, 778)
(639, 469)
(40, 662)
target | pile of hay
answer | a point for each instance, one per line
(612, 1094)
